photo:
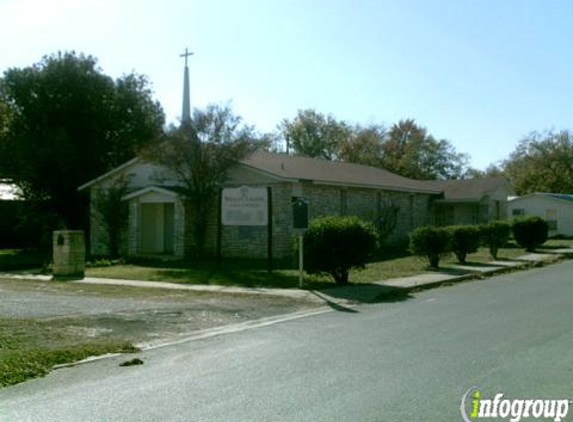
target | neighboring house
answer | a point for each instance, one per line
(395, 204)
(556, 208)
(471, 201)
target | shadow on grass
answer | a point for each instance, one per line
(22, 259)
(232, 272)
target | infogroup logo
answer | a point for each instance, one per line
(475, 407)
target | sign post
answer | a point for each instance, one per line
(300, 225)
(300, 260)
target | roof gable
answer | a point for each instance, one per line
(164, 191)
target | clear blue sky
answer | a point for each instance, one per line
(479, 73)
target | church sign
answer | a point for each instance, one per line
(244, 206)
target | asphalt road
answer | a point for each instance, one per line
(403, 361)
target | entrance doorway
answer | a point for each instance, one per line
(157, 229)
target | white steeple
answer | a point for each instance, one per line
(186, 112)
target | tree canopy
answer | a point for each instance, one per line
(542, 162)
(364, 146)
(315, 135)
(64, 122)
(410, 151)
(406, 149)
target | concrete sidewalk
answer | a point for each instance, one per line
(363, 293)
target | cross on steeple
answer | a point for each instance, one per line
(186, 112)
(186, 54)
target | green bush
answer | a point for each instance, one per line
(530, 232)
(465, 240)
(334, 245)
(431, 242)
(495, 235)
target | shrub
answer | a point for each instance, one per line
(431, 242)
(465, 240)
(334, 245)
(495, 235)
(530, 232)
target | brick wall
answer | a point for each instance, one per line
(69, 253)
(412, 210)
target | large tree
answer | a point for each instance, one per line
(315, 135)
(364, 146)
(542, 162)
(199, 154)
(410, 151)
(68, 123)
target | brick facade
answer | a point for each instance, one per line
(395, 210)
(412, 210)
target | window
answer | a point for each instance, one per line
(516, 212)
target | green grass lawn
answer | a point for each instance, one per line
(31, 348)
(253, 273)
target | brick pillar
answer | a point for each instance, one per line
(69, 254)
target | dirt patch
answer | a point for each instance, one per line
(142, 316)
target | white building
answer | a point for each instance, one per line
(556, 208)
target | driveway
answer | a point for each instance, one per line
(142, 315)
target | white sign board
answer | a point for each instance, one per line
(244, 206)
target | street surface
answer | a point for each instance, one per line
(404, 361)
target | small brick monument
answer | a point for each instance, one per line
(69, 254)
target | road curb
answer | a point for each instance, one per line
(205, 334)
(524, 265)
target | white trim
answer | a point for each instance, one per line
(149, 189)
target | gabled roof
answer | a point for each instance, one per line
(109, 174)
(467, 189)
(164, 190)
(558, 196)
(297, 168)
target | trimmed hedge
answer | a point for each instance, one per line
(465, 240)
(431, 242)
(495, 235)
(334, 245)
(530, 232)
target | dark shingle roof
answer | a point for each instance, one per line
(564, 196)
(467, 189)
(333, 172)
